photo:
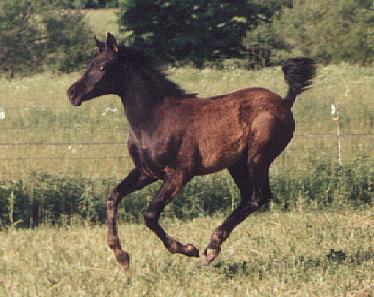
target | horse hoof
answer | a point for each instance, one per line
(209, 256)
(191, 250)
(123, 258)
(185, 249)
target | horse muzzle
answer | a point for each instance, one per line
(73, 98)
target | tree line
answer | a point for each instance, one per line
(38, 35)
(90, 4)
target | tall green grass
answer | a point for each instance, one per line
(102, 21)
(46, 199)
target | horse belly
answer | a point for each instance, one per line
(221, 148)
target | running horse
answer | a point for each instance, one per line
(174, 136)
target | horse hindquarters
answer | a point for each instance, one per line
(268, 137)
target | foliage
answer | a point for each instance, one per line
(265, 46)
(61, 200)
(192, 30)
(227, 34)
(19, 47)
(86, 4)
(274, 30)
(52, 199)
(69, 44)
(330, 31)
(39, 34)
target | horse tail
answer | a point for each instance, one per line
(298, 73)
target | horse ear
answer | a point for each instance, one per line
(111, 42)
(99, 44)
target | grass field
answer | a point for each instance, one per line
(270, 254)
(102, 21)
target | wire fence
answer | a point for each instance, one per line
(97, 159)
(94, 143)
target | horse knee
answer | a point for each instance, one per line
(113, 196)
(150, 218)
(257, 203)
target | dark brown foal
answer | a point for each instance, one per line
(174, 136)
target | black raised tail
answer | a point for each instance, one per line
(298, 73)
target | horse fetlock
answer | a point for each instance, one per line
(113, 242)
(123, 258)
(191, 250)
(217, 238)
(173, 246)
(210, 254)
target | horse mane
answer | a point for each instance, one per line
(153, 75)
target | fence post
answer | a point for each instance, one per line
(336, 118)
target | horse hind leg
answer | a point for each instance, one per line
(251, 174)
(253, 184)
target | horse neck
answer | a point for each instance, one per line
(144, 92)
(139, 106)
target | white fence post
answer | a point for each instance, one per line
(336, 118)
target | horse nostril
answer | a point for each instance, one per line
(71, 92)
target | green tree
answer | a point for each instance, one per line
(265, 46)
(38, 35)
(90, 3)
(191, 30)
(330, 30)
(20, 48)
(69, 40)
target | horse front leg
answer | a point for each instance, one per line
(136, 180)
(173, 183)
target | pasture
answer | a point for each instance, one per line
(274, 253)
(270, 254)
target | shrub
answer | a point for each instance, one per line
(46, 199)
(39, 35)
(192, 31)
(330, 31)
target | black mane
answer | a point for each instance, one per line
(153, 74)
